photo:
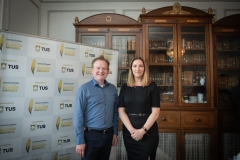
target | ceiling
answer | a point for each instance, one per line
(70, 1)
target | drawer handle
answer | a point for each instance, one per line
(163, 119)
(197, 119)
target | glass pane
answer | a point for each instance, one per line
(126, 46)
(94, 40)
(231, 145)
(226, 81)
(194, 84)
(197, 146)
(163, 77)
(193, 44)
(122, 77)
(228, 66)
(161, 45)
(167, 147)
(120, 148)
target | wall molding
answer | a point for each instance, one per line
(229, 10)
(39, 16)
(69, 11)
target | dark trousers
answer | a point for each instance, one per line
(98, 145)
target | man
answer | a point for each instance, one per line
(96, 115)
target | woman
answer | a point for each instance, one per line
(139, 108)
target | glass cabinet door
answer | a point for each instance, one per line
(228, 67)
(193, 73)
(126, 46)
(161, 61)
(94, 40)
(197, 146)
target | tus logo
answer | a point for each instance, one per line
(62, 141)
(64, 69)
(10, 66)
(3, 66)
(6, 150)
(35, 88)
(62, 105)
(33, 127)
(39, 48)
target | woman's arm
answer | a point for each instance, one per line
(125, 120)
(152, 118)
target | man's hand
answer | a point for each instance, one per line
(80, 149)
(114, 140)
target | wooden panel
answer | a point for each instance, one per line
(169, 119)
(197, 119)
(226, 119)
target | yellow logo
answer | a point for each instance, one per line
(83, 69)
(30, 106)
(58, 123)
(56, 156)
(28, 145)
(1, 41)
(103, 53)
(33, 66)
(60, 86)
(61, 49)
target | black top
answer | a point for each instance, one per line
(139, 99)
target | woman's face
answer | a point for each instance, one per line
(137, 68)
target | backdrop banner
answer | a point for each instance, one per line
(39, 79)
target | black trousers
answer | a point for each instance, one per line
(98, 145)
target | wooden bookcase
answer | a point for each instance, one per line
(226, 44)
(178, 53)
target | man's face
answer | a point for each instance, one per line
(100, 70)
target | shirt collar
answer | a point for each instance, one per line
(96, 84)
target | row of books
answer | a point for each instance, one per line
(225, 82)
(158, 44)
(228, 45)
(159, 58)
(224, 98)
(125, 59)
(162, 78)
(194, 58)
(95, 42)
(229, 62)
(193, 44)
(123, 43)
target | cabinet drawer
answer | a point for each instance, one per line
(197, 119)
(169, 119)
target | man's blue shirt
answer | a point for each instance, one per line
(95, 108)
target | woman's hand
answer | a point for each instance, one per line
(138, 134)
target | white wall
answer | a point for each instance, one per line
(55, 20)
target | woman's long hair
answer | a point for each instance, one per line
(145, 77)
